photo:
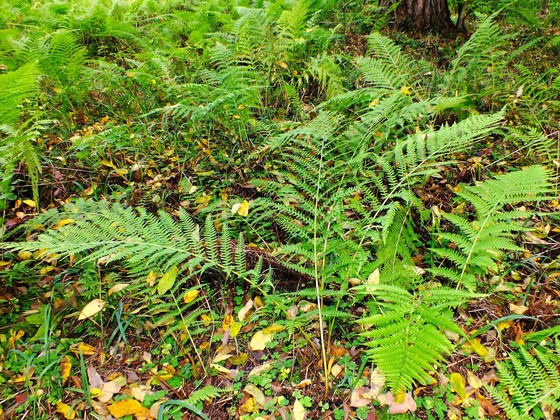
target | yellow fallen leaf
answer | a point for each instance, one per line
(241, 209)
(151, 278)
(108, 164)
(226, 323)
(25, 255)
(167, 281)
(65, 368)
(299, 411)
(518, 309)
(63, 222)
(30, 203)
(117, 288)
(46, 270)
(458, 384)
(245, 310)
(478, 347)
(85, 349)
(248, 406)
(234, 329)
(123, 408)
(474, 380)
(259, 340)
(95, 306)
(274, 328)
(121, 172)
(191, 295)
(256, 393)
(65, 410)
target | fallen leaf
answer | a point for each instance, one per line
(111, 388)
(357, 398)
(117, 288)
(95, 306)
(30, 203)
(241, 209)
(94, 378)
(260, 370)
(24, 255)
(408, 404)
(259, 340)
(274, 328)
(129, 407)
(458, 384)
(151, 278)
(299, 411)
(65, 368)
(226, 323)
(84, 348)
(405, 90)
(167, 281)
(256, 393)
(234, 329)
(474, 380)
(245, 310)
(249, 406)
(518, 309)
(191, 295)
(65, 410)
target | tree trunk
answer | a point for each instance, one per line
(423, 15)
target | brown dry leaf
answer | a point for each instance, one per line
(111, 388)
(490, 409)
(65, 368)
(357, 399)
(408, 404)
(518, 309)
(65, 410)
(94, 378)
(123, 408)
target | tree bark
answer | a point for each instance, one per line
(423, 15)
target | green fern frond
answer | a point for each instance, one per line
(529, 383)
(406, 335)
(480, 243)
(145, 242)
(204, 394)
(16, 87)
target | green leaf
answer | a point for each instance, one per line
(167, 281)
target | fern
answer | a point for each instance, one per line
(405, 332)
(16, 87)
(480, 243)
(145, 243)
(530, 383)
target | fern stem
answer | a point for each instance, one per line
(318, 284)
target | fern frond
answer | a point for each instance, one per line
(481, 242)
(528, 383)
(407, 337)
